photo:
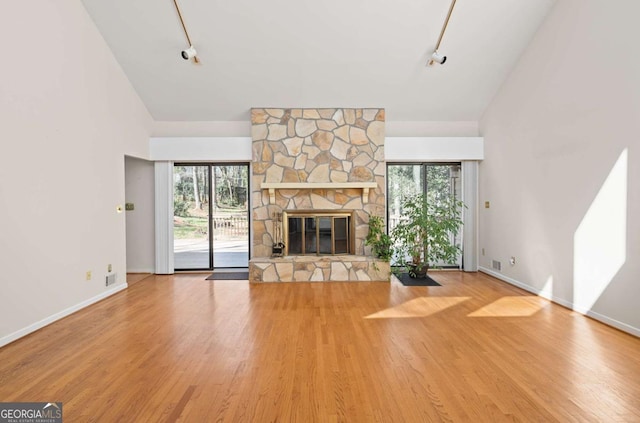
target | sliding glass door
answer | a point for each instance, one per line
(191, 241)
(434, 180)
(230, 215)
(211, 225)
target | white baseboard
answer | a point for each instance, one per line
(526, 287)
(568, 304)
(611, 322)
(57, 316)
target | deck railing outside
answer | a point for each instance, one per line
(230, 226)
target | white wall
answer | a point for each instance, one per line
(422, 149)
(562, 163)
(202, 129)
(139, 190)
(238, 149)
(68, 115)
(431, 129)
(201, 149)
(243, 129)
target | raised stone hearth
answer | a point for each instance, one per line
(318, 269)
(316, 159)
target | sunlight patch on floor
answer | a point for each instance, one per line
(517, 306)
(600, 242)
(418, 307)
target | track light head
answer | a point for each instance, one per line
(437, 58)
(189, 53)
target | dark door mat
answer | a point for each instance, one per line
(228, 276)
(407, 280)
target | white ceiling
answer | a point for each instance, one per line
(331, 53)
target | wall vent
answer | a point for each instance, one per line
(496, 265)
(111, 279)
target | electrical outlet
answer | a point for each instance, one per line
(512, 261)
(88, 275)
(109, 268)
(129, 206)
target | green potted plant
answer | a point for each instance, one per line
(378, 239)
(423, 234)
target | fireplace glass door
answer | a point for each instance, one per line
(313, 233)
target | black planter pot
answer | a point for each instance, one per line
(418, 271)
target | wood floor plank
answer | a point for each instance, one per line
(179, 348)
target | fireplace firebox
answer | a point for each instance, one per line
(311, 232)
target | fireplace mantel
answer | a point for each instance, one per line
(273, 186)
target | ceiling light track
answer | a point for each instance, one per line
(190, 52)
(437, 57)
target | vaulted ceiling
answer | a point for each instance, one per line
(330, 53)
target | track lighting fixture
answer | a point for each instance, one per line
(435, 56)
(189, 53)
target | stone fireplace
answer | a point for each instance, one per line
(317, 176)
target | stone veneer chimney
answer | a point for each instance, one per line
(322, 146)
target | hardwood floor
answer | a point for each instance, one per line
(179, 348)
(136, 277)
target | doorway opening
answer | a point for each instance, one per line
(211, 216)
